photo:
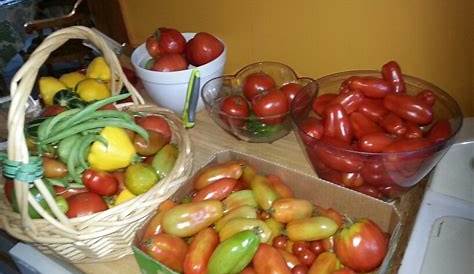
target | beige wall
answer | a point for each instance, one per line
(431, 39)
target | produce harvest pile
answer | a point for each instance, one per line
(93, 155)
(238, 221)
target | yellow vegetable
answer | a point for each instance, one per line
(92, 90)
(48, 87)
(124, 195)
(118, 153)
(71, 79)
(98, 69)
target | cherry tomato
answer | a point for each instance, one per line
(203, 48)
(373, 109)
(372, 87)
(337, 124)
(409, 108)
(167, 249)
(155, 123)
(100, 182)
(279, 186)
(440, 131)
(256, 83)
(352, 179)
(394, 124)
(299, 269)
(350, 101)
(200, 250)
(316, 247)
(52, 110)
(165, 40)
(320, 103)
(413, 131)
(313, 127)
(151, 146)
(306, 257)
(83, 204)
(290, 90)
(170, 62)
(268, 260)
(280, 241)
(67, 192)
(375, 142)
(271, 103)
(218, 190)
(362, 125)
(299, 246)
(427, 96)
(263, 215)
(53, 168)
(234, 106)
(392, 73)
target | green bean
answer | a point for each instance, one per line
(58, 118)
(85, 146)
(72, 160)
(98, 124)
(42, 128)
(95, 115)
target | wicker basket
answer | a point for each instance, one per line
(103, 236)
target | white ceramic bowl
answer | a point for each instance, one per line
(168, 89)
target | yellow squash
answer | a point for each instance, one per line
(118, 153)
(98, 69)
(48, 87)
(92, 89)
(71, 79)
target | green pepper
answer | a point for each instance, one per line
(164, 159)
(259, 129)
(68, 99)
(234, 254)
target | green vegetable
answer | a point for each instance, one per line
(260, 129)
(234, 254)
(68, 99)
(65, 147)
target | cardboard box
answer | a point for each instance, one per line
(325, 194)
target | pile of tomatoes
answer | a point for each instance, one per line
(372, 115)
(170, 51)
(238, 221)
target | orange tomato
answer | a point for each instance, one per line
(167, 249)
(280, 187)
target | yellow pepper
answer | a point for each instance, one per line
(92, 90)
(98, 69)
(48, 87)
(118, 153)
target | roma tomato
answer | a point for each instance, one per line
(186, 220)
(53, 168)
(427, 96)
(256, 83)
(282, 190)
(240, 212)
(203, 48)
(276, 227)
(362, 125)
(170, 62)
(413, 131)
(271, 103)
(344, 270)
(372, 87)
(248, 173)
(238, 199)
(361, 246)
(334, 157)
(218, 190)
(337, 124)
(199, 252)
(345, 85)
(280, 241)
(321, 102)
(402, 145)
(373, 109)
(154, 225)
(332, 214)
(375, 173)
(167, 249)
(264, 194)
(290, 90)
(375, 142)
(313, 127)
(286, 210)
(151, 146)
(350, 101)
(165, 40)
(394, 124)
(237, 107)
(290, 259)
(155, 123)
(440, 131)
(325, 263)
(237, 225)
(311, 229)
(392, 73)
(409, 108)
(268, 260)
(83, 204)
(352, 179)
(211, 174)
(100, 182)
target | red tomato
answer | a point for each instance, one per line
(427, 96)
(167, 249)
(337, 124)
(100, 182)
(280, 241)
(268, 260)
(256, 83)
(336, 158)
(375, 173)
(350, 101)
(203, 48)
(372, 87)
(413, 131)
(394, 124)
(362, 125)
(361, 246)
(440, 131)
(409, 108)
(52, 110)
(165, 40)
(316, 247)
(306, 257)
(299, 269)
(218, 190)
(155, 123)
(373, 109)
(299, 246)
(170, 62)
(83, 204)
(369, 190)
(345, 85)
(392, 73)
(68, 192)
(271, 103)
(235, 106)
(320, 103)
(290, 90)
(313, 127)
(200, 250)
(352, 179)
(280, 187)
(375, 142)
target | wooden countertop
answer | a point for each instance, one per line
(208, 138)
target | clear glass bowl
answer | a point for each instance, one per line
(381, 175)
(252, 128)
